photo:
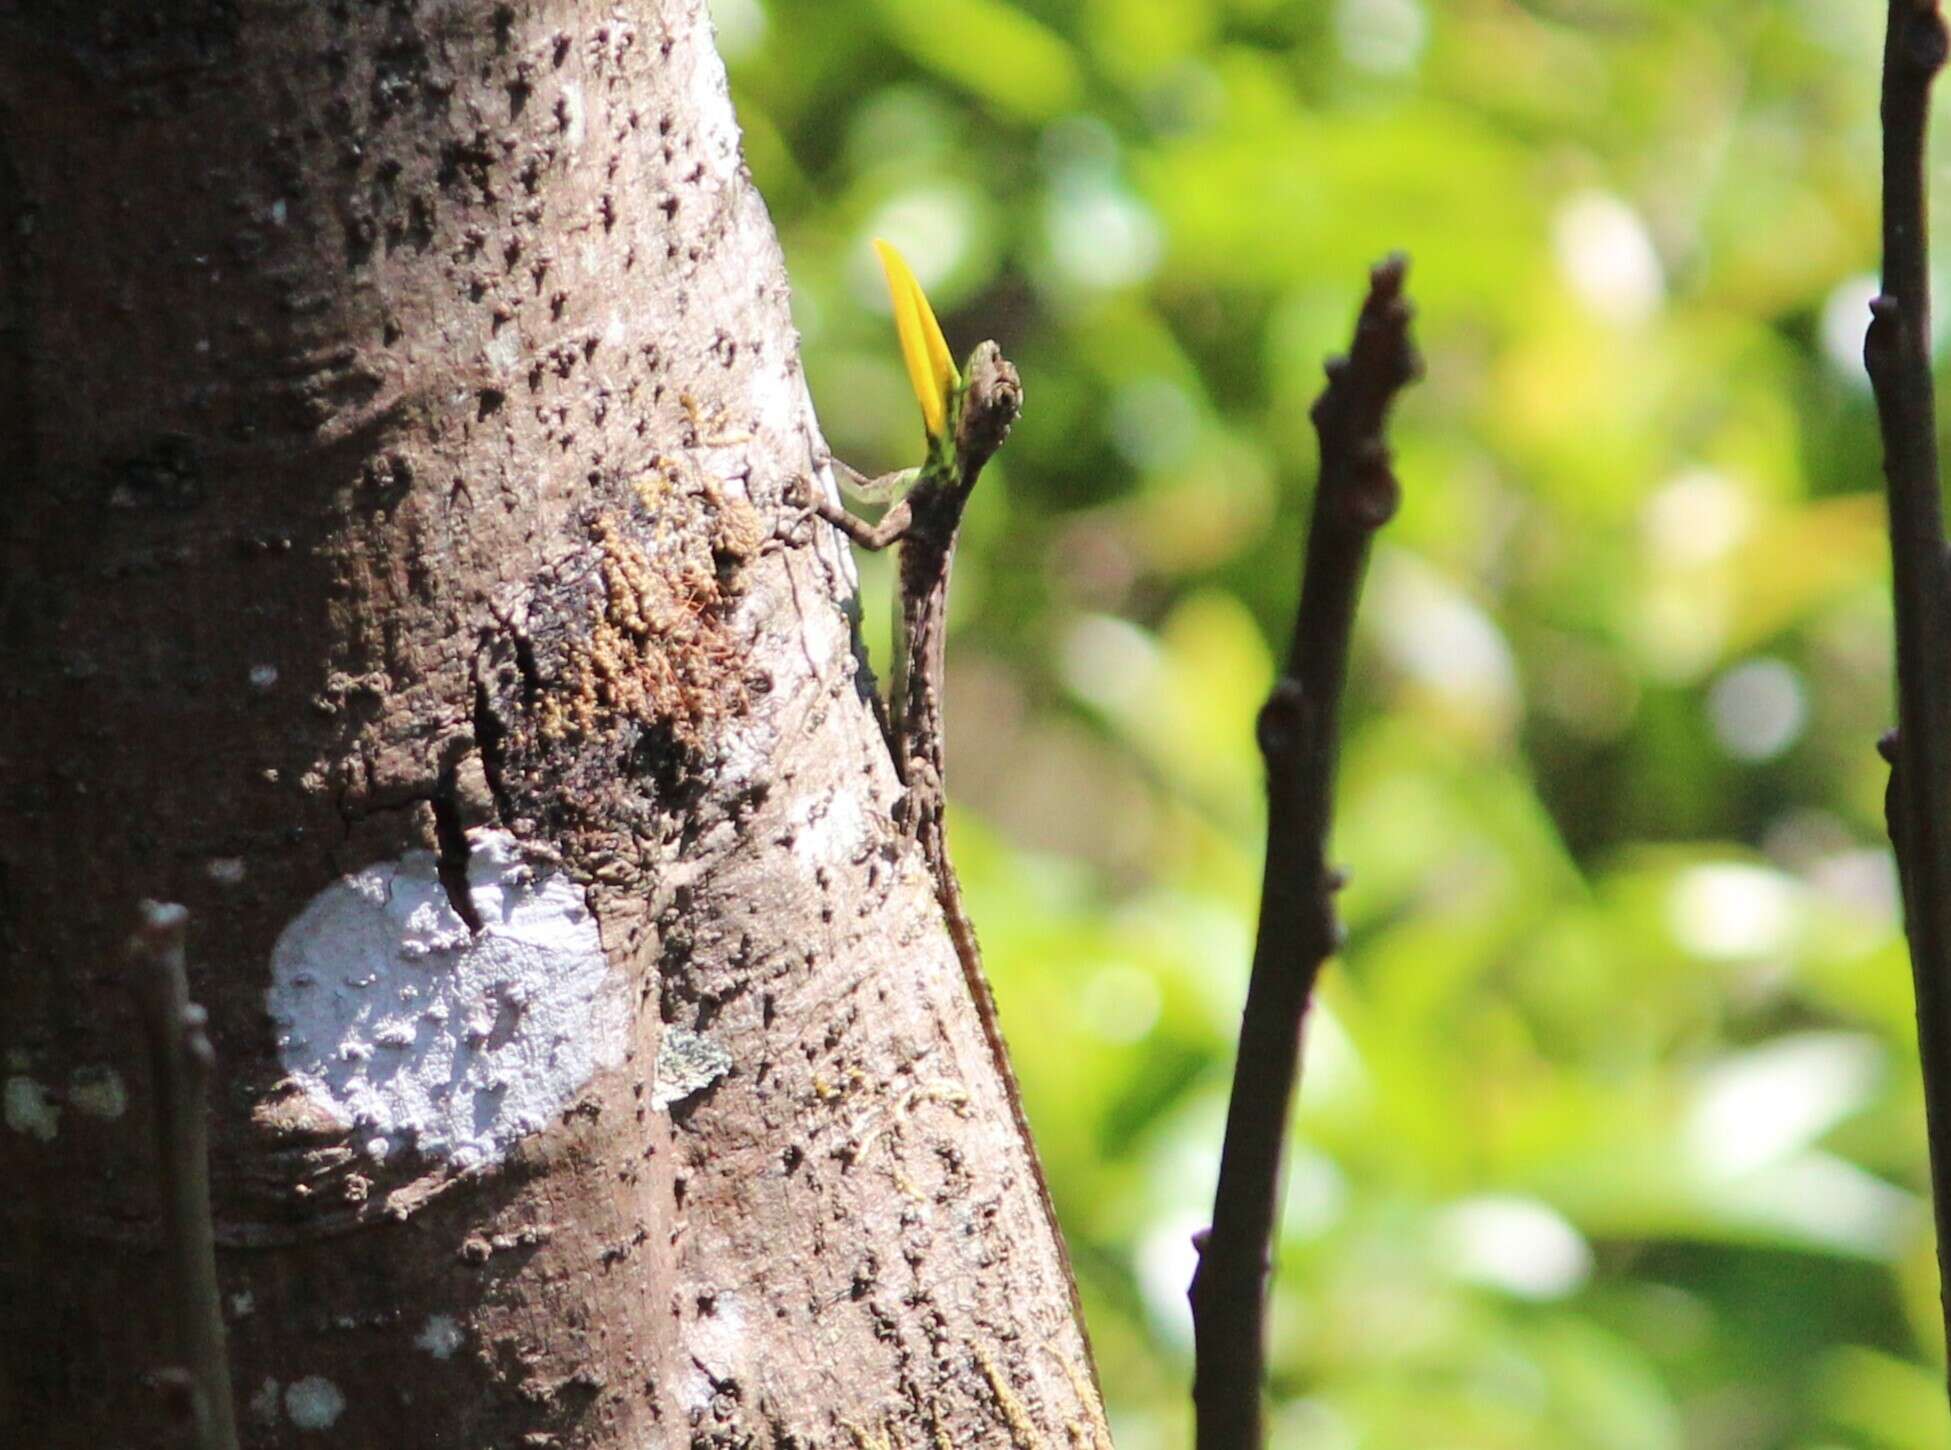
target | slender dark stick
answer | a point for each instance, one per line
(1897, 352)
(1300, 739)
(180, 1061)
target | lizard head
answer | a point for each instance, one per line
(991, 399)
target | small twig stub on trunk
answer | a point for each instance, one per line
(181, 1059)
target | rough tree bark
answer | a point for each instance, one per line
(398, 404)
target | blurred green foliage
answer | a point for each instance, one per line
(1611, 1133)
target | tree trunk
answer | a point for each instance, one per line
(396, 405)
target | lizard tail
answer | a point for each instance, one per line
(961, 931)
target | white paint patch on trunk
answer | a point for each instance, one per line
(440, 1336)
(98, 1091)
(392, 1017)
(225, 870)
(314, 1403)
(264, 1403)
(30, 1110)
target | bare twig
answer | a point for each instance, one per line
(180, 1061)
(1897, 353)
(1300, 738)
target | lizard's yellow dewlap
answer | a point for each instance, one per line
(931, 371)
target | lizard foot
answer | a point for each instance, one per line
(801, 505)
(920, 807)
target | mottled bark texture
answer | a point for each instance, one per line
(398, 401)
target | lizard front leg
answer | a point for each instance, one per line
(894, 524)
(893, 527)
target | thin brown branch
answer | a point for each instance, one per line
(1299, 732)
(1897, 353)
(180, 1061)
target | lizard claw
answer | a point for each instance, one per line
(920, 806)
(800, 507)
(798, 492)
(907, 815)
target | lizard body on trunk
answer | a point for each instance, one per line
(967, 417)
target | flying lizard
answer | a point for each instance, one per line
(966, 416)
